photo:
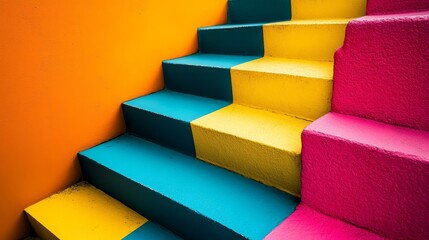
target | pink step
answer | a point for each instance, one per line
(382, 71)
(307, 224)
(384, 6)
(371, 174)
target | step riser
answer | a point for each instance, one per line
(270, 166)
(375, 189)
(307, 98)
(169, 132)
(257, 144)
(198, 80)
(387, 80)
(245, 11)
(328, 9)
(247, 41)
(175, 217)
(296, 41)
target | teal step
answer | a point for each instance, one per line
(232, 39)
(151, 231)
(165, 117)
(192, 198)
(207, 75)
(250, 11)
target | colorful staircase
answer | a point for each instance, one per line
(217, 153)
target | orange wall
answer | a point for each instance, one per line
(65, 67)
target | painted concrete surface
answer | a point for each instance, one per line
(232, 39)
(308, 224)
(251, 11)
(165, 117)
(206, 75)
(304, 39)
(382, 71)
(376, 171)
(299, 88)
(194, 199)
(151, 231)
(386, 6)
(83, 212)
(66, 66)
(327, 9)
(258, 144)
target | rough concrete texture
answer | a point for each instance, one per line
(308, 224)
(299, 88)
(258, 144)
(385, 6)
(382, 71)
(327, 9)
(372, 174)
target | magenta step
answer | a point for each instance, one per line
(308, 224)
(382, 70)
(371, 174)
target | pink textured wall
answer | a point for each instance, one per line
(371, 174)
(384, 6)
(382, 71)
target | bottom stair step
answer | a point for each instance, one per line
(194, 199)
(85, 212)
(306, 223)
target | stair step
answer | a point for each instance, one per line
(200, 74)
(382, 71)
(84, 212)
(232, 39)
(328, 9)
(300, 88)
(367, 166)
(305, 39)
(151, 231)
(164, 117)
(307, 223)
(249, 11)
(194, 199)
(258, 144)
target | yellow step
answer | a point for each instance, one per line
(312, 9)
(300, 88)
(304, 39)
(258, 144)
(82, 212)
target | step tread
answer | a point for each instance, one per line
(383, 136)
(218, 194)
(307, 223)
(83, 212)
(268, 128)
(211, 60)
(294, 67)
(176, 105)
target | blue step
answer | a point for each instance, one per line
(205, 75)
(151, 231)
(250, 11)
(193, 199)
(232, 39)
(165, 117)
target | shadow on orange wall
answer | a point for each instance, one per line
(65, 67)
